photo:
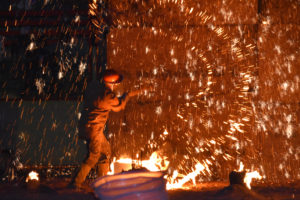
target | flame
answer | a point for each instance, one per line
(249, 176)
(32, 176)
(241, 167)
(175, 184)
(157, 162)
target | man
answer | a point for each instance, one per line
(99, 100)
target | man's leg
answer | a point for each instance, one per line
(103, 165)
(102, 168)
(81, 175)
(93, 157)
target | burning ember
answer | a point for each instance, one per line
(32, 176)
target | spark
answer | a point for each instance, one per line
(147, 50)
(289, 131)
(32, 46)
(277, 48)
(165, 132)
(77, 18)
(82, 67)
(60, 75)
(39, 83)
(172, 52)
(174, 60)
(72, 42)
(158, 110)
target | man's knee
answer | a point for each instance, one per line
(92, 159)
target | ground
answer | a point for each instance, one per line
(57, 189)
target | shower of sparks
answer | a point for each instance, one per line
(250, 122)
(236, 126)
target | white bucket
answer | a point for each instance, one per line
(133, 185)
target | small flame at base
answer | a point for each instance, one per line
(249, 176)
(32, 176)
(172, 184)
(157, 162)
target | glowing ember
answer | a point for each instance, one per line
(32, 176)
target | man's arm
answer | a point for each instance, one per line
(122, 101)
